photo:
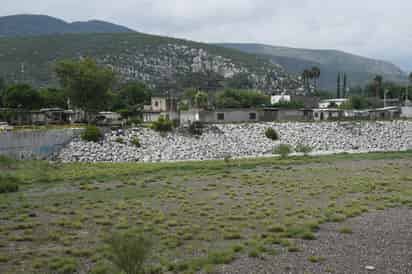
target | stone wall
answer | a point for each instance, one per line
(241, 140)
(35, 144)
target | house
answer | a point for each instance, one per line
(406, 110)
(107, 118)
(386, 113)
(276, 99)
(332, 103)
(327, 114)
(43, 116)
(279, 114)
(235, 115)
(307, 101)
(4, 126)
(160, 107)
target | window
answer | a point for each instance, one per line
(220, 116)
(156, 103)
(252, 116)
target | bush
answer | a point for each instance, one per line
(136, 142)
(8, 184)
(8, 187)
(91, 134)
(283, 150)
(162, 125)
(272, 134)
(304, 149)
(119, 140)
(196, 128)
(129, 252)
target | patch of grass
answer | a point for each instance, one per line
(316, 259)
(238, 207)
(63, 265)
(345, 230)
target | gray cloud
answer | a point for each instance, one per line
(379, 29)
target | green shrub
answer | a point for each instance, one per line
(272, 134)
(129, 251)
(64, 265)
(304, 149)
(196, 128)
(119, 140)
(283, 150)
(162, 125)
(8, 184)
(91, 134)
(136, 142)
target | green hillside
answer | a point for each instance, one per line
(136, 56)
(29, 24)
(359, 69)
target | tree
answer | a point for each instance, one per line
(230, 98)
(344, 85)
(135, 93)
(338, 93)
(378, 85)
(52, 97)
(22, 96)
(315, 72)
(2, 84)
(201, 100)
(356, 102)
(306, 75)
(2, 89)
(87, 85)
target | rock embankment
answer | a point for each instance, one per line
(241, 140)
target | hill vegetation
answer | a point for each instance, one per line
(27, 24)
(161, 62)
(360, 70)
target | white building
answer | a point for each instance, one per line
(332, 103)
(276, 99)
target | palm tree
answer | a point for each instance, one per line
(316, 75)
(378, 85)
(344, 85)
(306, 75)
(338, 87)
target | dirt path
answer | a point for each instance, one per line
(380, 241)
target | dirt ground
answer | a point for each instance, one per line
(380, 242)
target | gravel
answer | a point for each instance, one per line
(380, 243)
(241, 140)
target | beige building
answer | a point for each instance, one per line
(160, 107)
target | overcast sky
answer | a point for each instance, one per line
(374, 28)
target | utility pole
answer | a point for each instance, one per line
(22, 71)
(384, 97)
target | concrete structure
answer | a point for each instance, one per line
(4, 126)
(276, 99)
(387, 113)
(235, 115)
(279, 114)
(160, 107)
(44, 116)
(107, 118)
(406, 110)
(321, 114)
(332, 103)
(307, 101)
(35, 144)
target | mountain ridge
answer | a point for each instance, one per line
(360, 69)
(156, 60)
(33, 24)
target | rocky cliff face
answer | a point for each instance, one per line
(172, 62)
(161, 62)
